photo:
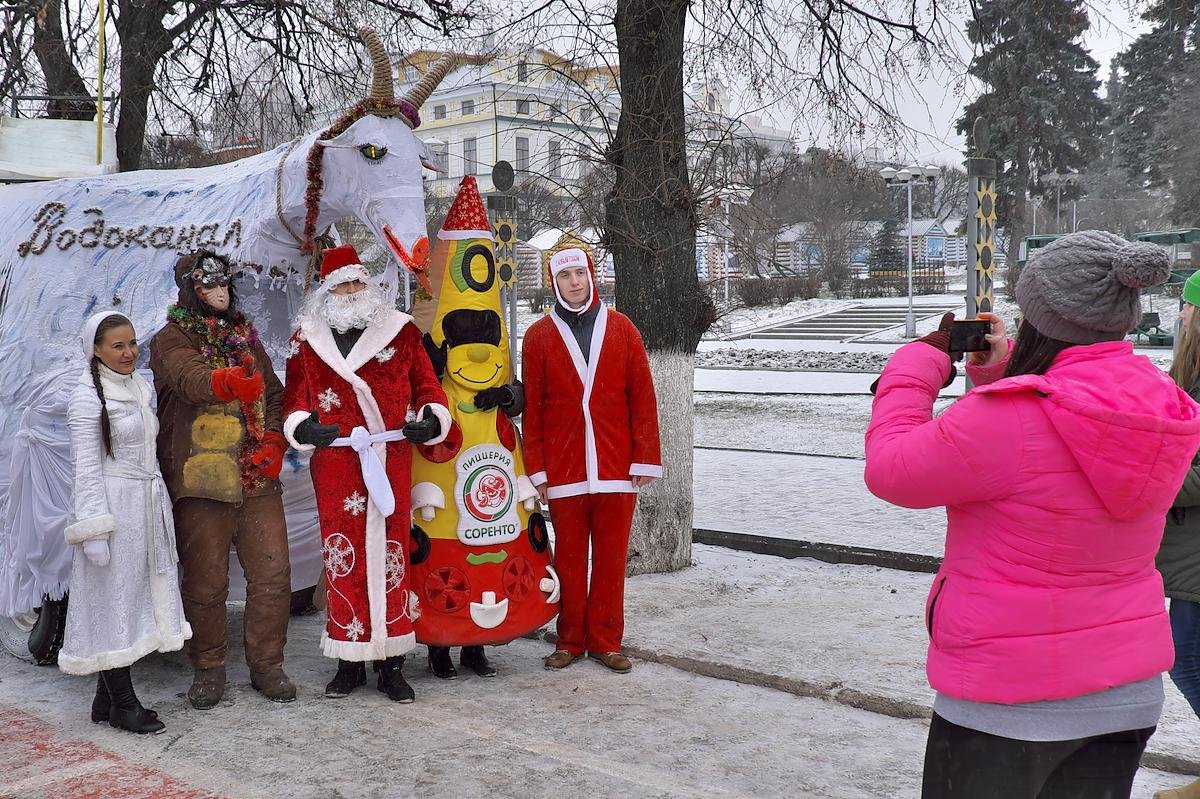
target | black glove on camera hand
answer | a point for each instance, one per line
(500, 396)
(422, 430)
(311, 431)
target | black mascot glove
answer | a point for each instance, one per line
(422, 430)
(437, 355)
(489, 398)
(311, 431)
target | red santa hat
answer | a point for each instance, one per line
(466, 218)
(571, 258)
(341, 265)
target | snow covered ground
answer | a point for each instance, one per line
(832, 627)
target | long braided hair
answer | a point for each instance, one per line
(109, 323)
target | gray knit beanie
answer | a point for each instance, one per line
(1084, 287)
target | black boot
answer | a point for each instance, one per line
(440, 663)
(101, 703)
(391, 681)
(350, 675)
(125, 711)
(474, 659)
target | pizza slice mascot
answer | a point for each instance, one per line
(489, 576)
(220, 447)
(591, 441)
(356, 367)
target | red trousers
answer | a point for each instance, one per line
(592, 618)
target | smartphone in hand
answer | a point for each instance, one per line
(970, 335)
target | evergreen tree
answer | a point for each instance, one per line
(1153, 70)
(1040, 97)
(886, 254)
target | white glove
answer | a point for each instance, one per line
(96, 551)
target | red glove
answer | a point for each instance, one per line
(940, 338)
(269, 459)
(243, 383)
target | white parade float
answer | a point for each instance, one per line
(74, 246)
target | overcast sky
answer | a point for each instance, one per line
(933, 115)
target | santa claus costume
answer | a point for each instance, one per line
(591, 429)
(363, 380)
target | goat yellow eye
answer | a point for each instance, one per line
(372, 152)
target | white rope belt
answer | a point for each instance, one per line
(379, 488)
(153, 490)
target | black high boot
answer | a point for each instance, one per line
(440, 663)
(391, 680)
(125, 711)
(350, 675)
(101, 702)
(474, 659)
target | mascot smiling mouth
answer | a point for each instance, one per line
(459, 372)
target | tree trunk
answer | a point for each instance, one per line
(651, 232)
(1017, 219)
(143, 44)
(62, 78)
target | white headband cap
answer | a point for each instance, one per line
(87, 336)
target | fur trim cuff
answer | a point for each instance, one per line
(289, 430)
(645, 470)
(538, 479)
(366, 650)
(90, 529)
(443, 416)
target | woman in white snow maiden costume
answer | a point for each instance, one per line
(125, 599)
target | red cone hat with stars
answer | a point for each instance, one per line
(467, 219)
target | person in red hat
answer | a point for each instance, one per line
(591, 441)
(355, 368)
(221, 446)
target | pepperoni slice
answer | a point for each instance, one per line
(517, 579)
(447, 589)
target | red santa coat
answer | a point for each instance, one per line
(588, 425)
(387, 373)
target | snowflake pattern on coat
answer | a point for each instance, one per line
(328, 399)
(386, 354)
(355, 504)
(355, 629)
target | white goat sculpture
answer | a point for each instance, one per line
(72, 247)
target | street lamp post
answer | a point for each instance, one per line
(906, 177)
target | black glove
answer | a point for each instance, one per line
(437, 355)
(311, 431)
(489, 398)
(423, 429)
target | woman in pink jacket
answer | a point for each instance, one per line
(1047, 625)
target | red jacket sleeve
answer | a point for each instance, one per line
(643, 408)
(297, 398)
(533, 375)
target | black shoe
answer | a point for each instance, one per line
(474, 659)
(440, 663)
(125, 711)
(391, 680)
(349, 676)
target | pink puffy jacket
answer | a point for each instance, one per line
(1056, 488)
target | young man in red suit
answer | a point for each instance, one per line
(591, 441)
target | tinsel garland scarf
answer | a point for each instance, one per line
(225, 343)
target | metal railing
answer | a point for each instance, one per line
(15, 101)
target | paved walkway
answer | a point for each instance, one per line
(773, 678)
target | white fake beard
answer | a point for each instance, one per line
(344, 312)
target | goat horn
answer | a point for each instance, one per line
(418, 94)
(381, 78)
